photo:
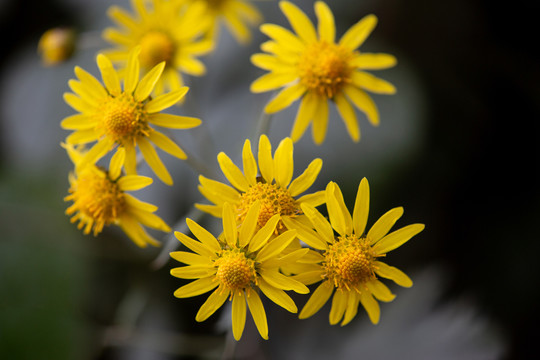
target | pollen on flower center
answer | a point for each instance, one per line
(97, 199)
(156, 47)
(349, 262)
(273, 199)
(324, 68)
(123, 118)
(235, 270)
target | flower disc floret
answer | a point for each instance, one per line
(123, 118)
(234, 270)
(156, 46)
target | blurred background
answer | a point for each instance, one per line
(457, 148)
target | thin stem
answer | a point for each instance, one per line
(170, 242)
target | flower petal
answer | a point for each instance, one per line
(148, 82)
(167, 145)
(358, 33)
(203, 235)
(319, 297)
(352, 308)
(384, 224)
(195, 246)
(238, 314)
(361, 208)
(249, 224)
(212, 304)
(392, 273)
(320, 122)
(306, 179)
(132, 70)
(283, 36)
(305, 234)
(173, 121)
(372, 83)
(229, 225)
(285, 98)
(109, 75)
(299, 22)
(232, 172)
(257, 312)
(327, 27)
(371, 305)
(340, 218)
(348, 115)
(323, 227)
(165, 100)
(278, 296)
(380, 291)
(249, 163)
(283, 163)
(262, 236)
(153, 160)
(371, 61)
(363, 102)
(116, 163)
(196, 287)
(266, 162)
(272, 81)
(339, 305)
(305, 115)
(134, 182)
(276, 246)
(397, 238)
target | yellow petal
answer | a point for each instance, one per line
(320, 122)
(224, 192)
(358, 33)
(276, 246)
(203, 235)
(371, 61)
(196, 287)
(83, 92)
(153, 160)
(371, 305)
(361, 208)
(272, 81)
(166, 144)
(283, 163)
(266, 163)
(392, 273)
(262, 236)
(238, 315)
(285, 98)
(305, 115)
(133, 202)
(173, 121)
(319, 297)
(78, 103)
(109, 75)
(232, 172)
(352, 308)
(380, 291)
(305, 233)
(79, 122)
(190, 258)
(195, 246)
(384, 224)
(117, 161)
(97, 151)
(82, 136)
(133, 182)
(327, 28)
(348, 115)
(249, 163)
(93, 85)
(257, 312)
(363, 102)
(121, 17)
(280, 281)
(397, 238)
(250, 224)
(315, 199)
(299, 22)
(229, 225)
(210, 306)
(191, 65)
(148, 82)
(278, 296)
(339, 305)
(323, 227)
(337, 211)
(165, 100)
(372, 83)
(306, 179)
(132, 70)
(130, 164)
(284, 37)
(192, 272)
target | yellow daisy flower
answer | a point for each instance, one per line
(57, 45)
(239, 264)
(236, 14)
(312, 66)
(168, 31)
(273, 187)
(100, 199)
(350, 263)
(121, 118)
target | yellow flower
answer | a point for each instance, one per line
(100, 199)
(312, 66)
(273, 187)
(169, 31)
(56, 45)
(350, 263)
(240, 264)
(236, 14)
(121, 118)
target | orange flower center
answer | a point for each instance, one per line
(349, 262)
(273, 199)
(324, 68)
(155, 48)
(97, 200)
(123, 118)
(235, 270)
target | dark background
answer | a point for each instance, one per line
(474, 184)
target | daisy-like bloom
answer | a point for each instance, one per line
(56, 45)
(349, 264)
(310, 65)
(273, 187)
(237, 16)
(122, 118)
(167, 31)
(239, 264)
(100, 199)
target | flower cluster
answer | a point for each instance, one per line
(275, 236)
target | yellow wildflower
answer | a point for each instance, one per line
(167, 31)
(100, 199)
(350, 263)
(239, 264)
(273, 187)
(310, 65)
(122, 118)
(56, 45)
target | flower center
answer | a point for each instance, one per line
(324, 68)
(155, 48)
(215, 3)
(273, 199)
(123, 118)
(98, 200)
(235, 270)
(349, 262)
